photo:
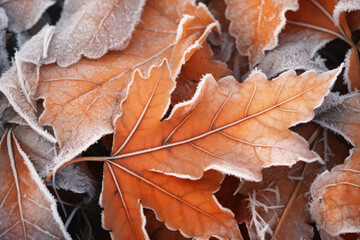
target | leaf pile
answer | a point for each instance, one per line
(159, 119)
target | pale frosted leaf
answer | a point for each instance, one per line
(42, 153)
(27, 209)
(23, 14)
(20, 82)
(4, 62)
(352, 68)
(257, 24)
(295, 51)
(91, 28)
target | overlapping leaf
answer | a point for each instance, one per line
(257, 24)
(82, 100)
(186, 144)
(27, 209)
(336, 206)
(91, 28)
(23, 14)
(328, 20)
(128, 186)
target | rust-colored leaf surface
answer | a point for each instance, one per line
(27, 209)
(239, 140)
(257, 24)
(328, 20)
(186, 144)
(336, 194)
(82, 100)
(23, 14)
(157, 230)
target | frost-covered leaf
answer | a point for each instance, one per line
(295, 51)
(257, 24)
(336, 194)
(4, 62)
(82, 100)
(23, 14)
(42, 154)
(27, 209)
(91, 28)
(128, 186)
(222, 140)
(328, 19)
(186, 144)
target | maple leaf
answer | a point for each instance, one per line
(27, 209)
(91, 28)
(259, 103)
(335, 194)
(257, 24)
(82, 100)
(190, 207)
(183, 144)
(328, 20)
(23, 14)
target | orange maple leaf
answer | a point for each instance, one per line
(257, 24)
(336, 194)
(27, 209)
(186, 144)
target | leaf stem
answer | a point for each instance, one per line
(294, 193)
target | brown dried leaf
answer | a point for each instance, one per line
(27, 209)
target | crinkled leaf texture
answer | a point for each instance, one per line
(295, 51)
(91, 28)
(23, 14)
(336, 194)
(27, 209)
(82, 100)
(257, 24)
(186, 144)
